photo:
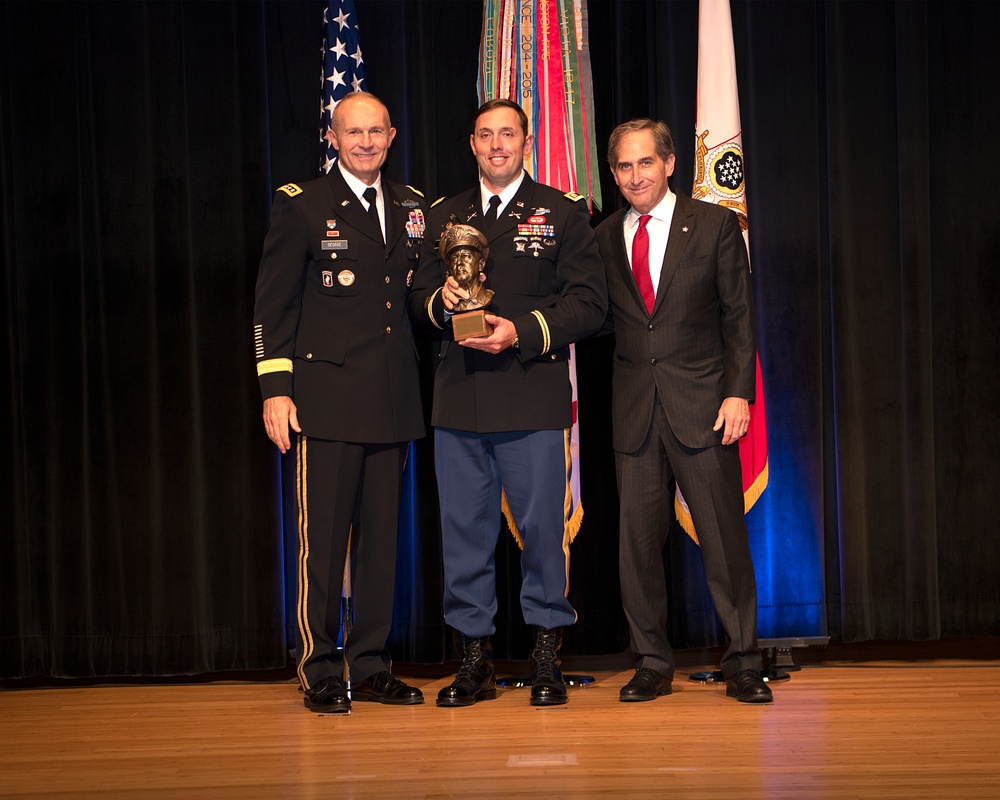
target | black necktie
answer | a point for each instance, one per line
(491, 213)
(370, 194)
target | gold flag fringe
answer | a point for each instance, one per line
(750, 496)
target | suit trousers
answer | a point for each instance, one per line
(531, 467)
(710, 479)
(346, 494)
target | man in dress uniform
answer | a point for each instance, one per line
(336, 363)
(502, 403)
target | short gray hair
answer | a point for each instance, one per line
(662, 138)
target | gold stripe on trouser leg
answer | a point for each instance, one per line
(567, 504)
(301, 497)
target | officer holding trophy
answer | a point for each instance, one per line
(502, 396)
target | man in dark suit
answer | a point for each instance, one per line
(682, 312)
(502, 403)
(336, 363)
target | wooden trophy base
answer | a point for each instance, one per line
(470, 325)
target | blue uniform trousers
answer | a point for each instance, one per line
(532, 467)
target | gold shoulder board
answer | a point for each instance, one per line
(574, 196)
(290, 189)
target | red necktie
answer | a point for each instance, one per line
(640, 263)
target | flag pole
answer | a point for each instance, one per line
(528, 58)
(343, 72)
(720, 178)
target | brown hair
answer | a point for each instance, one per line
(501, 102)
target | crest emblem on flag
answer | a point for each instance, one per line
(719, 176)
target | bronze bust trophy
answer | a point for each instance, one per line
(465, 250)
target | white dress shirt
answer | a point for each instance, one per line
(358, 186)
(658, 229)
(505, 196)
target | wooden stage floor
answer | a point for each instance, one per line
(848, 728)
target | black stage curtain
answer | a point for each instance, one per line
(140, 145)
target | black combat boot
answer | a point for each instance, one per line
(475, 679)
(547, 686)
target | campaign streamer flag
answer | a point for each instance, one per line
(719, 179)
(343, 66)
(536, 53)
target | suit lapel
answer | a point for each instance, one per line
(471, 213)
(681, 226)
(619, 257)
(395, 216)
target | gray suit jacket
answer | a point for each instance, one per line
(698, 346)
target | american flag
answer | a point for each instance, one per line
(343, 66)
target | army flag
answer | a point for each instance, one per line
(719, 178)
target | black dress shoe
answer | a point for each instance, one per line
(646, 684)
(748, 687)
(384, 687)
(329, 696)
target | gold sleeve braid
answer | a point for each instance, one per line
(274, 365)
(546, 334)
(430, 310)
